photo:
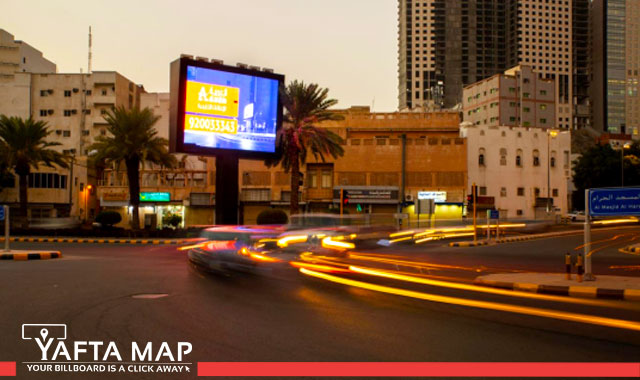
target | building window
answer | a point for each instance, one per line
(519, 212)
(482, 190)
(503, 157)
(326, 181)
(67, 113)
(521, 191)
(47, 181)
(104, 92)
(43, 112)
(552, 159)
(85, 132)
(526, 109)
(503, 191)
(88, 92)
(543, 92)
(44, 93)
(543, 121)
(536, 157)
(554, 192)
(481, 157)
(312, 181)
(525, 94)
(519, 158)
(536, 191)
(67, 93)
(66, 133)
(355, 141)
(103, 111)
(543, 107)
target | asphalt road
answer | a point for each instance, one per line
(281, 315)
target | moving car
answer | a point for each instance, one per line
(234, 248)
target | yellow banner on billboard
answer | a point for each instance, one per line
(210, 124)
(212, 99)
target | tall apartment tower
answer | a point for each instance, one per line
(445, 45)
(615, 65)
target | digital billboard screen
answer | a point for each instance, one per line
(223, 108)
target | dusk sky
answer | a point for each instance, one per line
(348, 46)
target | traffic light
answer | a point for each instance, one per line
(345, 197)
(473, 197)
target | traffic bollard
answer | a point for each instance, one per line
(579, 268)
(567, 262)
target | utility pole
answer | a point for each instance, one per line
(474, 192)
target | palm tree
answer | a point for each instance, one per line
(305, 105)
(24, 146)
(132, 141)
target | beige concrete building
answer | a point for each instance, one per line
(72, 105)
(519, 97)
(371, 169)
(18, 56)
(519, 169)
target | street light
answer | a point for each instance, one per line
(552, 133)
(625, 146)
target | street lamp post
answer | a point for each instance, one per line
(550, 134)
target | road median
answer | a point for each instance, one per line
(32, 239)
(20, 255)
(607, 287)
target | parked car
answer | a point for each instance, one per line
(234, 248)
(576, 216)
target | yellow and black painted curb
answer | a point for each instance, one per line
(98, 241)
(511, 239)
(631, 250)
(468, 243)
(23, 256)
(570, 291)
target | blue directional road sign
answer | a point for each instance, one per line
(1, 212)
(614, 201)
(494, 214)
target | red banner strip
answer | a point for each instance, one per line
(418, 369)
(7, 368)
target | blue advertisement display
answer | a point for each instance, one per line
(614, 201)
(227, 110)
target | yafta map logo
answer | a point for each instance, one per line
(59, 354)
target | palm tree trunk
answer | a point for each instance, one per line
(133, 175)
(24, 199)
(295, 183)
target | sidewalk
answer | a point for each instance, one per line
(611, 287)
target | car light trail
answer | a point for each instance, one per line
(259, 257)
(545, 313)
(186, 247)
(292, 239)
(476, 288)
(400, 239)
(401, 233)
(330, 243)
(412, 263)
(318, 267)
(615, 221)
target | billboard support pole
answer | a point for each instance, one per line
(227, 189)
(588, 275)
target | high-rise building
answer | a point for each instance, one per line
(581, 57)
(446, 45)
(615, 65)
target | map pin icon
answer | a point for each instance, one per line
(44, 333)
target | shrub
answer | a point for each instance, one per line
(272, 216)
(172, 220)
(108, 218)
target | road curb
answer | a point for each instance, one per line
(468, 243)
(631, 250)
(570, 291)
(98, 241)
(513, 239)
(23, 256)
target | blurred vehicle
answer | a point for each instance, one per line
(234, 248)
(54, 223)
